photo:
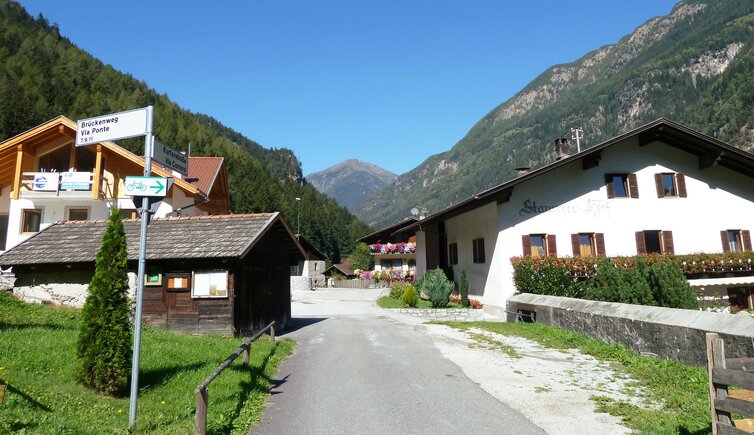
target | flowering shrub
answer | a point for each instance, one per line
(473, 303)
(393, 248)
(387, 275)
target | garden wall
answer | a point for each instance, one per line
(664, 332)
(443, 314)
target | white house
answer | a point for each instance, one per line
(44, 178)
(659, 188)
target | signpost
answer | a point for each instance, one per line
(147, 186)
(170, 157)
(123, 125)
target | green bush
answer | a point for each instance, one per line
(546, 276)
(409, 297)
(104, 341)
(612, 283)
(669, 286)
(437, 287)
(419, 284)
(464, 287)
(397, 289)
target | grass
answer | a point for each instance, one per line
(678, 390)
(388, 302)
(38, 360)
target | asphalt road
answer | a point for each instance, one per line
(357, 371)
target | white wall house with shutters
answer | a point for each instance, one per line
(661, 188)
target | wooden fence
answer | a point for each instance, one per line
(353, 283)
(200, 419)
(724, 402)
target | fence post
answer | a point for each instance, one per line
(200, 421)
(246, 357)
(272, 333)
(716, 360)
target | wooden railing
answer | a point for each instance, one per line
(200, 419)
(725, 373)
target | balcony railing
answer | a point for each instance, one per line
(45, 184)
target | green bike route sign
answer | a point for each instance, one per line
(147, 186)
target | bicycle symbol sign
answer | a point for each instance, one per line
(147, 186)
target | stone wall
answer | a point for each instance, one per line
(443, 314)
(63, 288)
(300, 283)
(664, 332)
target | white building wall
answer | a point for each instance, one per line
(572, 200)
(481, 222)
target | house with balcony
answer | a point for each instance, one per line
(394, 248)
(45, 178)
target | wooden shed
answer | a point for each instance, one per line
(227, 274)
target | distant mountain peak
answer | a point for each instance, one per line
(351, 181)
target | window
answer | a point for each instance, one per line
(209, 284)
(588, 244)
(654, 242)
(453, 253)
(391, 264)
(621, 186)
(58, 160)
(85, 160)
(3, 231)
(539, 245)
(670, 185)
(78, 214)
(412, 265)
(30, 221)
(736, 240)
(478, 250)
(128, 214)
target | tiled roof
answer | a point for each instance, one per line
(219, 236)
(203, 171)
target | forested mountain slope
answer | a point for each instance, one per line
(694, 66)
(43, 75)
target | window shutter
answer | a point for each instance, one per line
(576, 245)
(667, 242)
(680, 180)
(526, 242)
(724, 239)
(746, 236)
(610, 186)
(641, 244)
(599, 240)
(658, 184)
(633, 186)
(552, 247)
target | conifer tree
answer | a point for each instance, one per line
(670, 287)
(105, 339)
(464, 289)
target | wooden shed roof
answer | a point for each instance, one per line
(217, 236)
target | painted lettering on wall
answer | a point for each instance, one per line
(591, 207)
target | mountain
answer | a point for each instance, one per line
(350, 182)
(43, 75)
(694, 66)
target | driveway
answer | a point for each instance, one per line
(358, 370)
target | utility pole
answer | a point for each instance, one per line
(298, 218)
(577, 132)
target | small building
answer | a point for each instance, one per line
(341, 271)
(227, 274)
(661, 188)
(394, 247)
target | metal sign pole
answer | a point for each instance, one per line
(148, 143)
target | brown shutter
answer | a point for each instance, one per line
(576, 245)
(658, 184)
(641, 244)
(724, 239)
(746, 236)
(526, 242)
(667, 242)
(552, 247)
(599, 240)
(633, 186)
(610, 186)
(680, 180)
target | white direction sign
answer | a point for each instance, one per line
(170, 157)
(114, 126)
(147, 186)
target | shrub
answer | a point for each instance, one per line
(104, 341)
(464, 290)
(437, 287)
(397, 289)
(409, 297)
(669, 286)
(612, 283)
(547, 276)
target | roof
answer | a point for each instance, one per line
(392, 229)
(312, 253)
(217, 236)
(342, 268)
(203, 171)
(710, 151)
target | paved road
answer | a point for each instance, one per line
(358, 371)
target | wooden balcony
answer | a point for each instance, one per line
(58, 185)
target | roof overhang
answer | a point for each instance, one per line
(722, 282)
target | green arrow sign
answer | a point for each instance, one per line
(147, 186)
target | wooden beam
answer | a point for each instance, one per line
(97, 179)
(17, 179)
(592, 160)
(504, 195)
(711, 159)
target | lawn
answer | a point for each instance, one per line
(38, 360)
(681, 390)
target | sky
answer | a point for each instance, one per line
(388, 82)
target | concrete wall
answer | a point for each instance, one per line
(664, 332)
(300, 283)
(314, 270)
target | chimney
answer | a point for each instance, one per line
(561, 146)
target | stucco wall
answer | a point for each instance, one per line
(665, 332)
(463, 229)
(60, 288)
